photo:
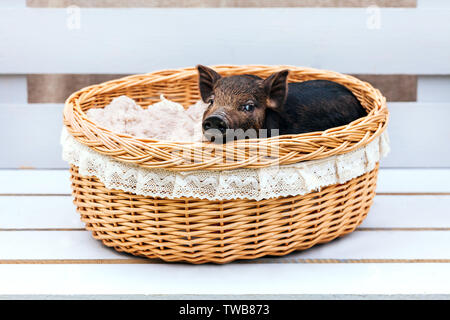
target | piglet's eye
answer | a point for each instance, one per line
(211, 100)
(249, 107)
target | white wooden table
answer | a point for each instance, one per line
(401, 249)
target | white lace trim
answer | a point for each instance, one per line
(264, 183)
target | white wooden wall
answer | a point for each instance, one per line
(412, 41)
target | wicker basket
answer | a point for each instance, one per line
(197, 230)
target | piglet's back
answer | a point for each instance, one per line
(317, 105)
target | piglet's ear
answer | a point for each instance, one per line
(207, 77)
(276, 89)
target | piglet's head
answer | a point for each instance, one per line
(238, 103)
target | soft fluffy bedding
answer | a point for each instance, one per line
(165, 120)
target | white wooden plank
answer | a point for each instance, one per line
(38, 212)
(409, 212)
(35, 182)
(341, 39)
(176, 280)
(382, 245)
(13, 89)
(433, 88)
(357, 245)
(54, 245)
(414, 181)
(419, 135)
(389, 181)
(31, 135)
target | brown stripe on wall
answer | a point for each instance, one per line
(56, 88)
(395, 87)
(219, 3)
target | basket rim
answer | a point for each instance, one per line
(178, 155)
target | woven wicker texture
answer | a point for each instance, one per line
(181, 86)
(199, 231)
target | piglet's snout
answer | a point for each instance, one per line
(215, 122)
